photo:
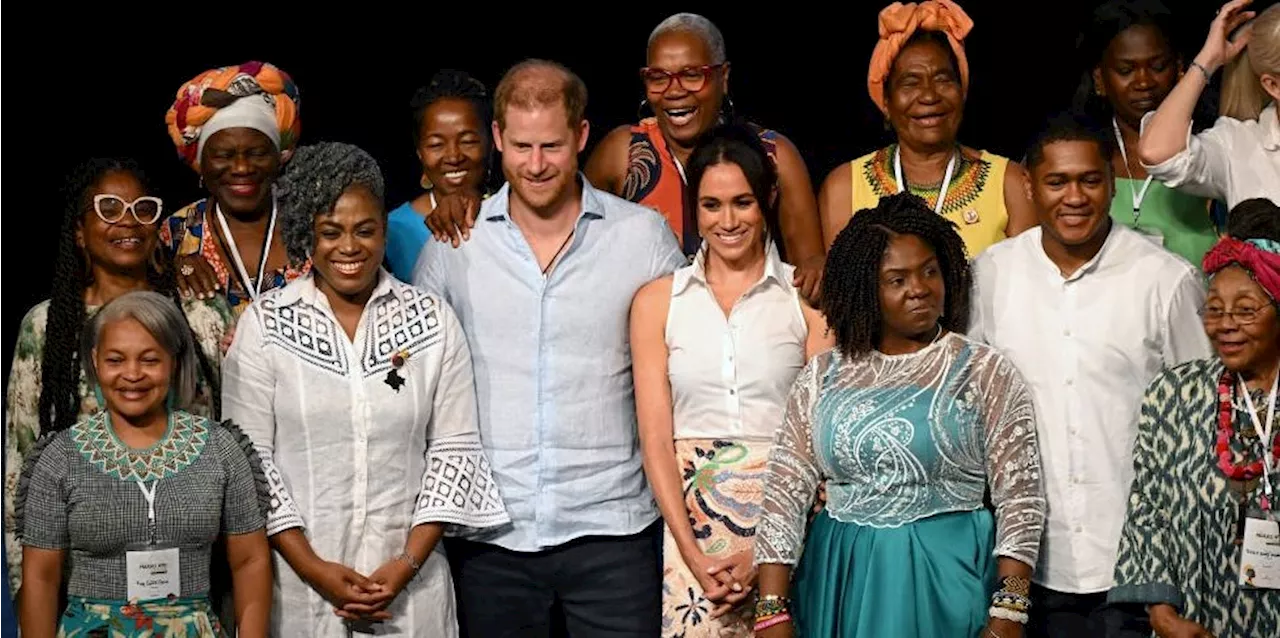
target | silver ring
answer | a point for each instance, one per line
(186, 270)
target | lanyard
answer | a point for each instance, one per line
(432, 195)
(1264, 433)
(251, 286)
(946, 179)
(150, 495)
(1136, 195)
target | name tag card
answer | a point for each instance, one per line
(153, 574)
(1260, 554)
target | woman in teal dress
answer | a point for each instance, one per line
(1198, 472)
(1132, 66)
(909, 423)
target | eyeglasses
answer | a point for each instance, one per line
(111, 209)
(1243, 317)
(691, 78)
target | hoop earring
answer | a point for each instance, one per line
(640, 110)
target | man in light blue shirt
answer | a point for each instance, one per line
(543, 290)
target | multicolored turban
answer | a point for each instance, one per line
(1261, 257)
(898, 22)
(256, 95)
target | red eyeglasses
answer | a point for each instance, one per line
(691, 78)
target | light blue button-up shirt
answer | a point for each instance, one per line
(552, 361)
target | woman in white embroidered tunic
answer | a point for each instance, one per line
(358, 391)
(141, 482)
(715, 348)
(908, 422)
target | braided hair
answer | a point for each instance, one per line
(459, 85)
(60, 364)
(851, 283)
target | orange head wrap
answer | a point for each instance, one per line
(200, 100)
(899, 21)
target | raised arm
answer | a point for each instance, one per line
(1165, 133)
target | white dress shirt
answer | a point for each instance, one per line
(353, 461)
(1087, 345)
(731, 376)
(1233, 161)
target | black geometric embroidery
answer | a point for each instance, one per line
(408, 320)
(304, 331)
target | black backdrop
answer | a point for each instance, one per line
(93, 82)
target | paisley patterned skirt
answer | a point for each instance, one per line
(723, 490)
(181, 618)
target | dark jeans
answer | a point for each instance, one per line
(605, 586)
(1055, 614)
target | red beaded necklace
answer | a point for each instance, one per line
(1234, 471)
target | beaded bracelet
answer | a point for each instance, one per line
(1013, 602)
(769, 621)
(1020, 617)
(771, 605)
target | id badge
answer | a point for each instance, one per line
(1260, 554)
(154, 572)
(1152, 234)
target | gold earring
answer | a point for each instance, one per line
(425, 182)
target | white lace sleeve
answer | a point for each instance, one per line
(1013, 461)
(793, 474)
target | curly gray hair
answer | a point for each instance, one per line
(313, 180)
(697, 25)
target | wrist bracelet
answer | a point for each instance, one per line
(1019, 617)
(766, 623)
(1207, 74)
(772, 605)
(408, 559)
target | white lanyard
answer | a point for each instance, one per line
(1264, 431)
(680, 169)
(432, 195)
(252, 286)
(1137, 196)
(946, 178)
(150, 495)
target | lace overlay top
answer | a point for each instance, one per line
(900, 438)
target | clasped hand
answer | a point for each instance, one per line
(725, 582)
(358, 597)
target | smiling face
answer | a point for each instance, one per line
(133, 369)
(688, 104)
(1249, 341)
(1071, 188)
(238, 166)
(350, 243)
(124, 246)
(452, 146)
(540, 154)
(729, 214)
(925, 101)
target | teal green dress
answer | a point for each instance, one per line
(1181, 222)
(907, 445)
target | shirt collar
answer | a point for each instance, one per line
(774, 270)
(304, 289)
(1087, 267)
(1270, 128)
(498, 207)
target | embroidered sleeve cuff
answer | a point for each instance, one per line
(1147, 593)
(458, 488)
(283, 513)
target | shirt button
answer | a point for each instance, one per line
(1071, 382)
(732, 391)
(1079, 529)
(1066, 332)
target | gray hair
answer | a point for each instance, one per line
(161, 317)
(697, 25)
(313, 180)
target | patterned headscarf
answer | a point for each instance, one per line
(204, 97)
(899, 21)
(1261, 257)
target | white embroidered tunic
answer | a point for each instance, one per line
(352, 460)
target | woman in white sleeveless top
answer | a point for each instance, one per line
(716, 347)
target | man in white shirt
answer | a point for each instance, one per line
(1090, 312)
